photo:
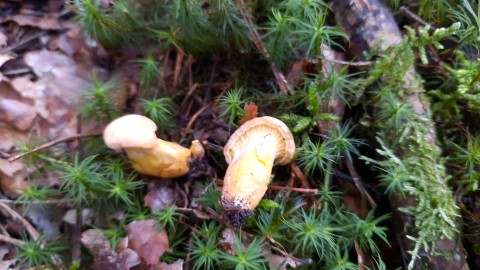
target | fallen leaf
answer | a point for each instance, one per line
(104, 257)
(6, 264)
(158, 197)
(148, 240)
(10, 168)
(69, 42)
(177, 265)
(16, 113)
(70, 216)
(128, 259)
(278, 262)
(95, 241)
(46, 218)
(251, 111)
(57, 90)
(228, 241)
(12, 178)
(48, 22)
(296, 76)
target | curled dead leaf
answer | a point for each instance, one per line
(20, 115)
(158, 197)
(148, 240)
(251, 111)
(104, 257)
(228, 241)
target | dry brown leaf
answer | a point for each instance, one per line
(177, 265)
(69, 42)
(148, 240)
(228, 242)
(10, 168)
(105, 258)
(70, 217)
(158, 197)
(95, 241)
(57, 90)
(12, 178)
(12, 175)
(278, 262)
(20, 115)
(6, 264)
(46, 219)
(49, 22)
(251, 111)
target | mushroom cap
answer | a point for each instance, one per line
(254, 131)
(130, 131)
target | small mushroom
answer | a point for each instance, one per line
(251, 152)
(148, 154)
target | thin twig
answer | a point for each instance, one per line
(358, 182)
(197, 231)
(408, 13)
(23, 41)
(17, 217)
(255, 38)
(288, 255)
(298, 174)
(11, 240)
(52, 201)
(192, 120)
(360, 256)
(76, 252)
(52, 143)
(194, 117)
(178, 68)
(212, 146)
(34, 234)
(357, 64)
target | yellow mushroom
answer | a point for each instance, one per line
(148, 154)
(251, 152)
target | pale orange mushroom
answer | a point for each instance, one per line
(251, 152)
(148, 154)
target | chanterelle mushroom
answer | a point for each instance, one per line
(251, 152)
(149, 155)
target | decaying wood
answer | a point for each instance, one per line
(370, 24)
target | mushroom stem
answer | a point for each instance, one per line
(248, 177)
(164, 159)
(251, 152)
(149, 154)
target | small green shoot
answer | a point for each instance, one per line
(249, 259)
(160, 110)
(37, 253)
(232, 105)
(99, 103)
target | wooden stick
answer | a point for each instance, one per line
(17, 217)
(52, 143)
(11, 240)
(52, 201)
